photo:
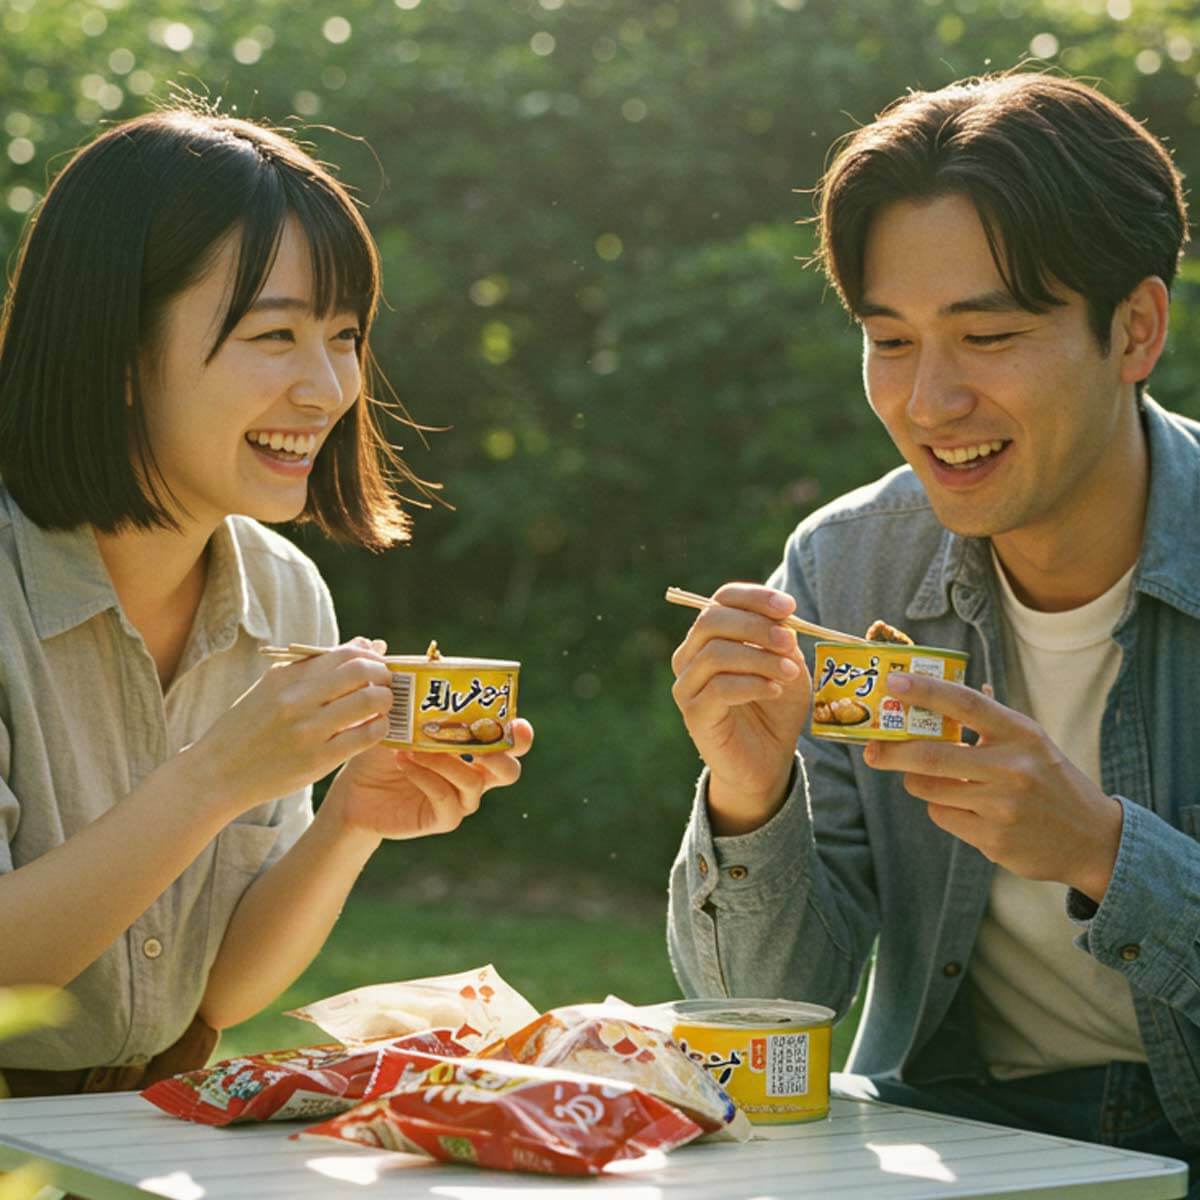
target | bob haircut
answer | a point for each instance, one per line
(134, 219)
(1071, 190)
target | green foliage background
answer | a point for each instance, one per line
(587, 212)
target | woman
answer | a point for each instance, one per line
(181, 358)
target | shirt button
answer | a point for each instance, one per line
(152, 947)
(702, 864)
(738, 872)
(951, 969)
(1131, 952)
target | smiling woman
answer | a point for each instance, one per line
(148, 209)
(183, 356)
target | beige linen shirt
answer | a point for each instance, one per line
(83, 720)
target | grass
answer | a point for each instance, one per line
(557, 941)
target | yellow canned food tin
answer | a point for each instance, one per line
(452, 705)
(850, 697)
(771, 1056)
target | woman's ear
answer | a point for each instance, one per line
(1140, 328)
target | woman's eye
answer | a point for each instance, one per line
(275, 335)
(351, 333)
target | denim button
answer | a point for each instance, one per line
(152, 947)
(702, 863)
(1131, 951)
(738, 872)
(951, 969)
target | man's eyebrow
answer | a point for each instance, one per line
(996, 301)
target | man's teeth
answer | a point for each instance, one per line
(304, 444)
(962, 454)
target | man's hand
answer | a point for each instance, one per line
(744, 691)
(390, 793)
(1014, 795)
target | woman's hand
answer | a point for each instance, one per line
(296, 724)
(390, 793)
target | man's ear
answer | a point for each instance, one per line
(1140, 328)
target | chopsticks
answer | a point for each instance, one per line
(691, 600)
(292, 652)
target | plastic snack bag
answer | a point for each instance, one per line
(511, 1117)
(608, 1040)
(316, 1081)
(477, 1006)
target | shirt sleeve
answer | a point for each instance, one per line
(788, 909)
(1146, 926)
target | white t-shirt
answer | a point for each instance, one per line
(1042, 1004)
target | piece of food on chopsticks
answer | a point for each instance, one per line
(881, 631)
(512, 1117)
(601, 1039)
(282, 1085)
(477, 1006)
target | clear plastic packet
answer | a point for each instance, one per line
(611, 1041)
(511, 1117)
(477, 1006)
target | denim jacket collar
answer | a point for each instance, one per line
(1170, 541)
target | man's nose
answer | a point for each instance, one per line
(941, 392)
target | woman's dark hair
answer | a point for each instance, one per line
(1071, 190)
(133, 219)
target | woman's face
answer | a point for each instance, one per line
(240, 434)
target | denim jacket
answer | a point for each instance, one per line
(794, 908)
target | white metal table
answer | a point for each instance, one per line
(118, 1147)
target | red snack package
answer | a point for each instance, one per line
(315, 1081)
(511, 1117)
(602, 1040)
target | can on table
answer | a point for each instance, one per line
(850, 697)
(452, 705)
(771, 1056)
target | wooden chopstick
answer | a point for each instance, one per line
(292, 652)
(692, 600)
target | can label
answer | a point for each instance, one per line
(451, 709)
(850, 694)
(775, 1076)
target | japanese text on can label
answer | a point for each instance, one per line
(787, 1064)
(921, 720)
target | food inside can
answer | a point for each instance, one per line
(452, 705)
(850, 696)
(771, 1056)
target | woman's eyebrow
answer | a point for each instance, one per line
(284, 303)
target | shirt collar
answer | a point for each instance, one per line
(67, 583)
(1170, 541)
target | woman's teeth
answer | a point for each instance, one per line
(965, 454)
(298, 445)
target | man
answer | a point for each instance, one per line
(1007, 246)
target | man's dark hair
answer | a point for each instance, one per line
(134, 219)
(1071, 190)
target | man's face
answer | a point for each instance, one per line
(1012, 420)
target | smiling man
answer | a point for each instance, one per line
(1007, 246)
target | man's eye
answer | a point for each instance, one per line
(989, 339)
(889, 343)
